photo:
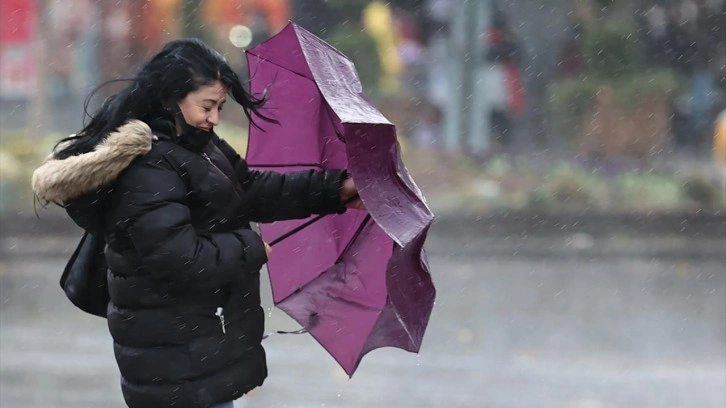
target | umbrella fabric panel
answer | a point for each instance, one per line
(282, 49)
(302, 115)
(342, 306)
(392, 197)
(360, 280)
(411, 295)
(310, 253)
(337, 80)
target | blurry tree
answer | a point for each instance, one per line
(361, 49)
(610, 50)
(606, 4)
(314, 15)
(616, 106)
(340, 24)
(589, 10)
(193, 26)
(348, 10)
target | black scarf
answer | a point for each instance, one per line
(191, 137)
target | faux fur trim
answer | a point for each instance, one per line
(58, 181)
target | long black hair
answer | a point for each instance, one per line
(181, 67)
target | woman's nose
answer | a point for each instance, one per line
(214, 117)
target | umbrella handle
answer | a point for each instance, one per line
(314, 320)
(305, 225)
(301, 331)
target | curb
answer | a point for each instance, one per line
(498, 223)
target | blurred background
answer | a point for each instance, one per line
(574, 152)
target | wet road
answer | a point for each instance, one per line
(564, 321)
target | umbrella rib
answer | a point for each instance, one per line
(405, 328)
(313, 80)
(313, 221)
(296, 230)
(263, 59)
(354, 303)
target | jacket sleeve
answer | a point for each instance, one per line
(152, 205)
(295, 195)
(284, 196)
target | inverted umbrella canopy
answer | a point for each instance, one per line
(355, 281)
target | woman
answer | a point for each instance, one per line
(174, 203)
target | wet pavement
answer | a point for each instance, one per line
(569, 320)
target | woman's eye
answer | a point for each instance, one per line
(207, 109)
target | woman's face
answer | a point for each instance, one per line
(203, 107)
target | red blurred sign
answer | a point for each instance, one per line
(18, 19)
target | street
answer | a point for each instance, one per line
(540, 321)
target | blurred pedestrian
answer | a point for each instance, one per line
(654, 18)
(680, 47)
(426, 130)
(172, 203)
(719, 141)
(505, 84)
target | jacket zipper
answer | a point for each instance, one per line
(220, 314)
(220, 310)
(215, 166)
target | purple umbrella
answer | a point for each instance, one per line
(355, 281)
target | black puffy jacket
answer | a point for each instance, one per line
(183, 263)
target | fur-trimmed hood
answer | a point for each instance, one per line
(59, 181)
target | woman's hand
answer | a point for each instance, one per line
(268, 249)
(349, 195)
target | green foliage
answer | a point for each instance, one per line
(646, 191)
(348, 10)
(571, 98)
(193, 25)
(611, 53)
(19, 156)
(236, 136)
(565, 186)
(610, 50)
(703, 192)
(10, 167)
(25, 149)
